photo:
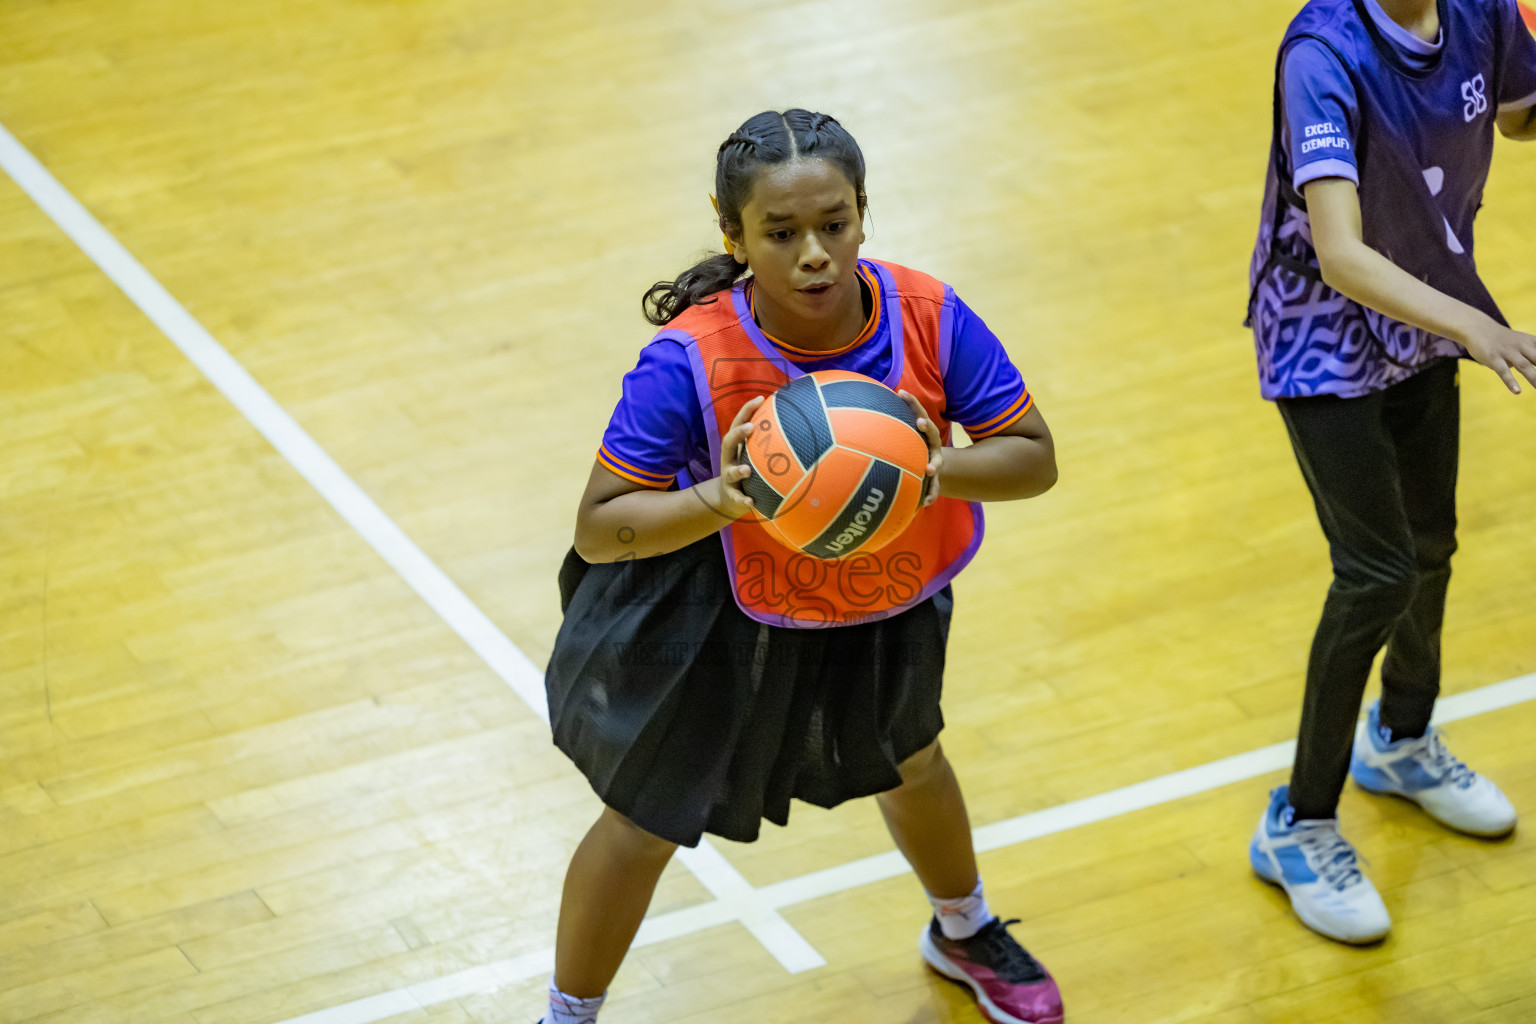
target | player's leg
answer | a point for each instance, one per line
(1424, 415)
(927, 818)
(608, 887)
(964, 941)
(1348, 458)
(1396, 750)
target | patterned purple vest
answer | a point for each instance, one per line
(1424, 144)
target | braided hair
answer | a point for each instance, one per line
(764, 139)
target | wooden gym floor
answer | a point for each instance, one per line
(248, 774)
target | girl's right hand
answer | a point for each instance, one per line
(1504, 351)
(729, 499)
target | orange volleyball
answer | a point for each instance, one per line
(837, 464)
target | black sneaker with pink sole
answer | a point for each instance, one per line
(1011, 986)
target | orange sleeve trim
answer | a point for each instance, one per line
(632, 473)
(1006, 420)
(603, 450)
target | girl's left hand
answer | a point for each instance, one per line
(930, 431)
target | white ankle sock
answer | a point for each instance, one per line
(564, 1009)
(964, 917)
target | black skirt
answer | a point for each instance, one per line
(689, 717)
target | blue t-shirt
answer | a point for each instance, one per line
(1411, 123)
(657, 428)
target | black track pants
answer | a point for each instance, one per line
(1382, 471)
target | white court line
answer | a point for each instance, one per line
(461, 614)
(1063, 817)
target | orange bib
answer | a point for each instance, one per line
(733, 362)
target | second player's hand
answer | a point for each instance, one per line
(1504, 351)
(930, 431)
(728, 499)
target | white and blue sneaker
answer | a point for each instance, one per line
(1319, 871)
(1423, 771)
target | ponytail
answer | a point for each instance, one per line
(664, 300)
(766, 138)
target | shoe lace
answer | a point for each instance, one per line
(1004, 955)
(1330, 855)
(1442, 763)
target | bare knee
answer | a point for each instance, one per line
(923, 766)
(624, 836)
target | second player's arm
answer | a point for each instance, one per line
(1356, 270)
(1519, 125)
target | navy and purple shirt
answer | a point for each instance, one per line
(657, 429)
(1411, 123)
